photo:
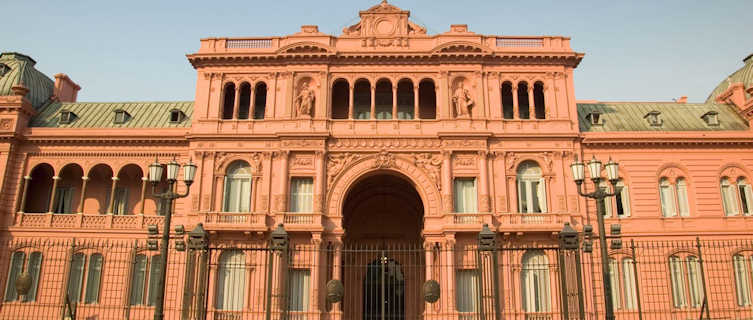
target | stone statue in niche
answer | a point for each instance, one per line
(304, 102)
(463, 101)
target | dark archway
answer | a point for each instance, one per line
(384, 290)
(383, 208)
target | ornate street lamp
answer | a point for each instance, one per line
(166, 201)
(599, 194)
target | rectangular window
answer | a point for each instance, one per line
(466, 294)
(746, 198)
(35, 265)
(301, 195)
(138, 280)
(76, 277)
(120, 205)
(63, 197)
(16, 265)
(622, 200)
(667, 201)
(614, 279)
(299, 290)
(694, 281)
(742, 281)
(729, 200)
(629, 285)
(465, 195)
(531, 195)
(678, 282)
(237, 194)
(93, 278)
(154, 272)
(682, 198)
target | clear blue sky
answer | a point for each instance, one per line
(135, 50)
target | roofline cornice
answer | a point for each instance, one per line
(570, 59)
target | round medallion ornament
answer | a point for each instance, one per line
(335, 291)
(23, 283)
(431, 291)
(384, 27)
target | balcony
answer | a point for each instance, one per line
(86, 221)
(517, 222)
(299, 221)
(234, 221)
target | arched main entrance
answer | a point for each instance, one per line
(383, 262)
(383, 208)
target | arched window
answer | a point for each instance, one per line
(538, 100)
(524, 111)
(362, 99)
(535, 282)
(685, 274)
(231, 281)
(33, 265)
(507, 101)
(383, 99)
(340, 99)
(620, 203)
(427, 99)
(228, 101)
(244, 102)
(90, 285)
(143, 283)
(237, 187)
(742, 263)
(674, 197)
(531, 188)
(260, 101)
(405, 99)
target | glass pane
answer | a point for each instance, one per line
(245, 195)
(154, 272)
(678, 282)
(535, 196)
(231, 280)
(299, 290)
(667, 201)
(628, 275)
(694, 281)
(741, 280)
(76, 277)
(614, 279)
(93, 278)
(16, 265)
(138, 278)
(535, 282)
(743, 199)
(301, 194)
(466, 294)
(35, 265)
(682, 198)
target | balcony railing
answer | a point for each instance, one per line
(235, 220)
(86, 221)
(520, 42)
(249, 43)
(542, 221)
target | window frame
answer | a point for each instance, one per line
(470, 206)
(243, 179)
(686, 283)
(237, 301)
(743, 285)
(83, 290)
(301, 201)
(536, 201)
(10, 294)
(542, 290)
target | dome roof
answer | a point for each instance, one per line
(744, 75)
(15, 69)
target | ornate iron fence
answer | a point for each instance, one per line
(465, 278)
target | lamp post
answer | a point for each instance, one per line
(599, 194)
(166, 200)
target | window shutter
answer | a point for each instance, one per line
(682, 197)
(625, 200)
(76, 276)
(16, 265)
(138, 278)
(628, 279)
(93, 278)
(35, 265)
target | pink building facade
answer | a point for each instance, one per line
(382, 136)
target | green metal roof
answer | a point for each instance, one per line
(744, 75)
(22, 70)
(629, 116)
(102, 114)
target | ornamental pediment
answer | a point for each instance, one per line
(384, 20)
(306, 47)
(461, 47)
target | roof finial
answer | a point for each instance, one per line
(384, 1)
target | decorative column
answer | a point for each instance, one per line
(394, 102)
(373, 102)
(337, 273)
(254, 193)
(112, 194)
(280, 201)
(144, 182)
(236, 102)
(515, 107)
(84, 181)
(27, 180)
(415, 103)
(319, 181)
(55, 180)
(447, 181)
(450, 273)
(252, 103)
(531, 107)
(316, 241)
(350, 103)
(483, 182)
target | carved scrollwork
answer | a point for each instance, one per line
(431, 164)
(337, 163)
(384, 160)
